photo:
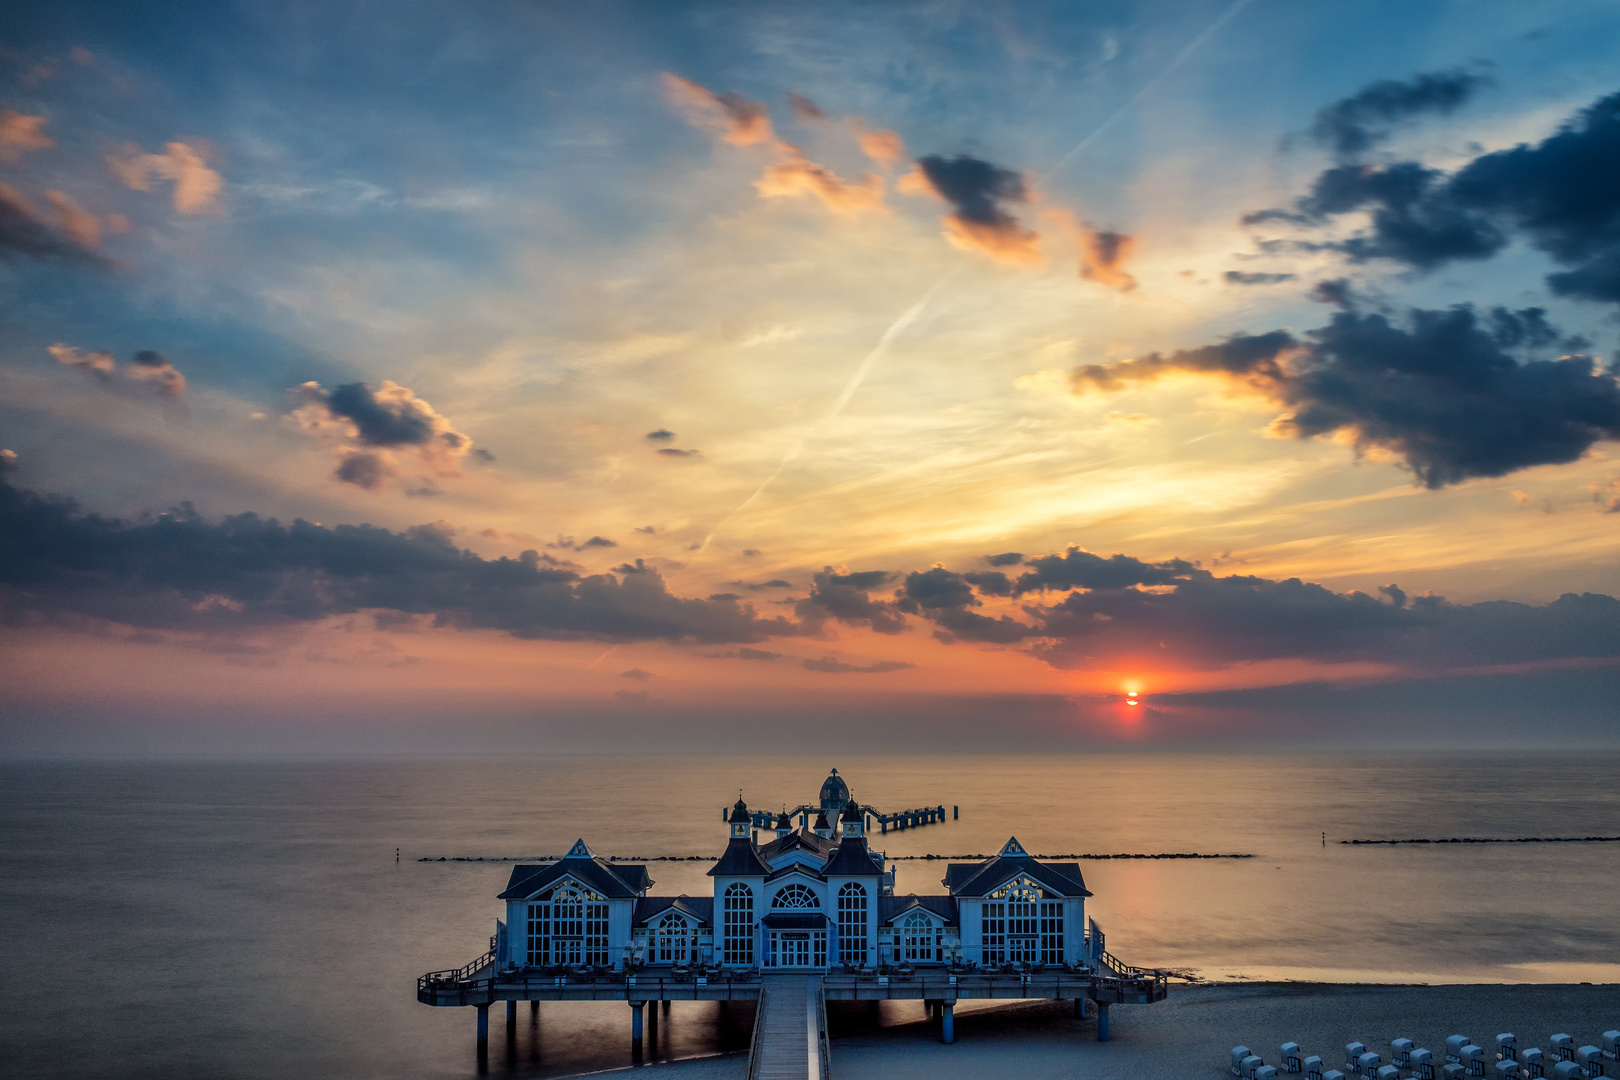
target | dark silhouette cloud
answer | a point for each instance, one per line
(1558, 194)
(672, 452)
(745, 653)
(837, 667)
(1354, 125)
(25, 234)
(182, 571)
(1335, 291)
(365, 468)
(846, 598)
(661, 435)
(1445, 392)
(805, 110)
(1240, 277)
(1077, 568)
(979, 193)
(1006, 558)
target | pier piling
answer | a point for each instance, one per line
(483, 1032)
(1102, 1021)
(947, 1022)
(636, 1009)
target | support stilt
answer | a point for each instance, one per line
(1079, 1008)
(947, 1025)
(1102, 1021)
(636, 1009)
(534, 1009)
(483, 1032)
(511, 1016)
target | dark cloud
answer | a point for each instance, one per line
(1335, 291)
(1445, 392)
(745, 653)
(393, 423)
(979, 193)
(757, 586)
(670, 451)
(1354, 125)
(1559, 194)
(480, 454)
(147, 370)
(946, 597)
(1103, 255)
(25, 234)
(833, 666)
(1240, 277)
(805, 110)
(845, 597)
(597, 542)
(636, 673)
(1077, 568)
(364, 468)
(1006, 558)
(182, 571)
(661, 435)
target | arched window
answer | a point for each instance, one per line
(672, 940)
(921, 938)
(795, 896)
(738, 925)
(1011, 926)
(569, 926)
(852, 922)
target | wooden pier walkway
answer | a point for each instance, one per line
(789, 1030)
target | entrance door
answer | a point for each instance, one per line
(795, 950)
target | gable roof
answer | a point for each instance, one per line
(617, 881)
(813, 873)
(741, 859)
(798, 840)
(648, 908)
(979, 879)
(891, 908)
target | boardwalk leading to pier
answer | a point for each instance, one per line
(788, 1031)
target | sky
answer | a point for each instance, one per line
(437, 377)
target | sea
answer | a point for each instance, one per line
(268, 919)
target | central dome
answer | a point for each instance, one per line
(834, 793)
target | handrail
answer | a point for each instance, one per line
(758, 1035)
(460, 974)
(1130, 971)
(821, 1033)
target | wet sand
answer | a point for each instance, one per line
(1190, 1034)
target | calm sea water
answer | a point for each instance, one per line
(249, 920)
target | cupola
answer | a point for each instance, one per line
(851, 824)
(823, 829)
(784, 825)
(741, 827)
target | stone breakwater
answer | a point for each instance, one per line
(1497, 840)
(892, 858)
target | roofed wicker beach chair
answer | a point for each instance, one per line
(1352, 1057)
(1247, 1066)
(1507, 1047)
(1421, 1064)
(1367, 1063)
(1400, 1052)
(1238, 1054)
(1290, 1057)
(1590, 1058)
(1508, 1068)
(1568, 1070)
(1313, 1068)
(1611, 1045)
(1388, 1072)
(1266, 1072)
(1534, 1063)
(1333, 1074)
(1563, 1047)
(1453, 1071)
(1455, 1043)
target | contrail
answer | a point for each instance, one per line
(598, 660)
(1148, 87)
(911, 314)
(895, 329)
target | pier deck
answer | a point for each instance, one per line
(789, 1030)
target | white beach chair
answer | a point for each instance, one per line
(1333, 1074)
(1611, 1045)
(1534, 1063)
(1455, 1043)
(1247, 1066)
(1290, 1057)
(1507, 1047)
(1388, 1072)
(1590, 1058)
(1421, 1064)
(1508, 1067)
(1367, 1064)
(1453, 1071)
(1472, 1058)
(1352, 1057)
(1563, 1047)
(1568, 1070)
(1313, 1068)
(1400, 1052)
(1266, 1072)
(1238, 1054)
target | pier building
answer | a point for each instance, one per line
(791, 903)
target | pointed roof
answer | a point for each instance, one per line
(739, 811)
(819, 846)
(978, 879)
(891, 908)
(853, 859)
(741, 859)
(616, 880)
(700, 908)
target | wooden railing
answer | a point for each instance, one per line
(822, 1050)
(460, 974)
(758, 1036)
(1130, 971)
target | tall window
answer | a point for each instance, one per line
(569, 927)
(993, 931)
(852, 922)
(795, 896)
(738, 925)
(1051, 931)
(672, 942)
(921, 939)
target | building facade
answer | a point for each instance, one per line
(805, 898)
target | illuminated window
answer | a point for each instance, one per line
(921, 938)
(795, 896)
(852, 922)
(672, 941)
(1051, 931)
(738, 925)
(570, 926)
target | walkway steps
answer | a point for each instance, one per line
(787, 1030)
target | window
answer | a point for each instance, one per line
(852, 922)
(795, 896)
(1051, 931)
(671, 943)
(921, 938)
(570, 926)
(738, 940)
(993, 930)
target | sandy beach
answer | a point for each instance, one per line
(1190, 1034)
